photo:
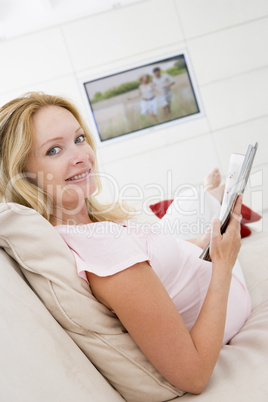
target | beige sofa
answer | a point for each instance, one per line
(40, 361)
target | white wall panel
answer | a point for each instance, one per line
(64, 86)
(235, 139)
(256, 194)
(119, 34)
(230, 52)
(188, 161)
(133, 60)
(199, 17)
(33, 58)
(237, 99)
(227, 43)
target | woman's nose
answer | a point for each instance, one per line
(78, 156)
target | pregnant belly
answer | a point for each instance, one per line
(185, 277)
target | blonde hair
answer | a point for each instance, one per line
(147, 76)
(16, 141)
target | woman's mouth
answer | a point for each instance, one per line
(80, 176)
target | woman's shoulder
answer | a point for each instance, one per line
(103, 248)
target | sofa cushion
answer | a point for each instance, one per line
(48, 265)
(241, 371)
(253, 258)
(39, 361)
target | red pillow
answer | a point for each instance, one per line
(160, 208)
(248, 216)
(244, 231)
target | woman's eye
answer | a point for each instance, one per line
(53, 151)
(81, 138)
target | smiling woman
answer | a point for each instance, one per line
(65, 160)
(178, 308)
(48, 160)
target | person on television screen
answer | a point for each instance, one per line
(147, 93)
(163, 83)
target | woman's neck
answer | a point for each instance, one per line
(61, 217)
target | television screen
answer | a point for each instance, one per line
(142, 97)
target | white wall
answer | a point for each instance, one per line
(227, 42)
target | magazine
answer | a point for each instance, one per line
(238, 174)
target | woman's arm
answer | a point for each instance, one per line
(155, 89)
(186, 359)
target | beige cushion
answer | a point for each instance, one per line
(241, 372)
(48, 264)
(253, 258)
(39, 361)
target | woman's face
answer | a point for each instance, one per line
(61, 161)
(145, 79)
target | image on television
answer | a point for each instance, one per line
(141, 97)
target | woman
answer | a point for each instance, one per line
(148, 98)
(173, 304)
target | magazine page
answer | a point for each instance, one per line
(235, 165)
(238, 174)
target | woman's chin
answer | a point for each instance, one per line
(82, 189)
(91, 191)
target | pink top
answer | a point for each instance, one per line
(106, 248)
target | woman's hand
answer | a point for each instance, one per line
(224, 248)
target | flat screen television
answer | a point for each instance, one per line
(145, 96)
